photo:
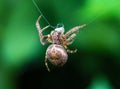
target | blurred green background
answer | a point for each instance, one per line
(96, 65)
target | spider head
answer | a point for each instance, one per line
(60, 28)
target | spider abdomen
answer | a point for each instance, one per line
(56, 54)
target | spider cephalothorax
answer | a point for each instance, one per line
(56, 53)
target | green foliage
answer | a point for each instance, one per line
(97, 43)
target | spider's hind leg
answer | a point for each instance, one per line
(70, 51)
(46, 64)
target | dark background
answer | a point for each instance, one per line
(96, 65)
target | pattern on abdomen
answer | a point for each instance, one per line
(56, 54)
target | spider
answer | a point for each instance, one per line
(56, 53)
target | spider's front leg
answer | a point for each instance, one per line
(41, 30)
(73, 30)
(70, 35)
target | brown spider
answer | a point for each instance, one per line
(56, 53)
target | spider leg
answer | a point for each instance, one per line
(70, 42)
(72, 33)
(70, 51)
(46, 64)
(71, 37)
(74, 30)
(41, 30)
(45, 27)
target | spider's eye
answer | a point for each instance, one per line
(60, 25)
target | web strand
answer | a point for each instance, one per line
(42, 14)
(96, 17)
(104, 12)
